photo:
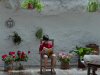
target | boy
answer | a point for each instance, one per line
(44, 55)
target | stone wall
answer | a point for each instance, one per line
(67, 4)
(67, 28)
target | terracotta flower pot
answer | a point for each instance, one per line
(64, 65)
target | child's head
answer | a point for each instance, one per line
(45, 39)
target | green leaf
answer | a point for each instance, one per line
(92, 5)
(39, 34)
(77, 47)
(71, 51)
(75, 53)
(80, 51)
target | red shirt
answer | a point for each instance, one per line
(48, 45)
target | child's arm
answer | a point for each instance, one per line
(41, 51)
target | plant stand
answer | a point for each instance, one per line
(8, 66)
(80, 64)
(19, 65)
(64, 65)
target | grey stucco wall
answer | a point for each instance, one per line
(68, 29)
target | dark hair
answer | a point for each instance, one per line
(46, 37)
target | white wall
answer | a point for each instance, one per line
(67, 28)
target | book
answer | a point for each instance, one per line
(47, 50)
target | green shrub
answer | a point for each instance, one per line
(39, 33)
(81, 51)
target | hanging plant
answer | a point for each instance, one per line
(39, 33)
(35, 3)
(92, 5)
(16, 38)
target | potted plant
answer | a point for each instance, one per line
(92, 5)
(64, 58)
(39, 33)
(80, 52)
(16, 38)
(8, 61)
(20, 58)
(30, 6)
(36, 4)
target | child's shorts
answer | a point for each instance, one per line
(45, 54)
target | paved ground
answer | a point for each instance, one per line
(36, 71)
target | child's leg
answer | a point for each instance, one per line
(53, 56)
(54, 60)
(45, 57)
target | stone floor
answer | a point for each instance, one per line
(36, 71)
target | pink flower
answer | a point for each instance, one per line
(71, 55)
(63, 56)
(63, 53)
(67, 53)
(60, 54)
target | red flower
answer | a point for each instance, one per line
(23, 53)
(2, 59)
(10, 53)
(18, 52)
(13, 56)
(3, 56)
(28, 51)
(13, 52)
(22, 56)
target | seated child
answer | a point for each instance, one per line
(43, 50)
